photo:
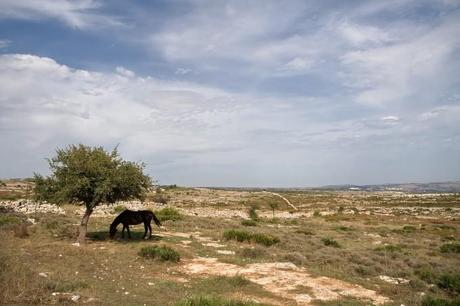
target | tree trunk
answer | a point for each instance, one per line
(83, 226)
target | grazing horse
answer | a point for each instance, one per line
(130, 217)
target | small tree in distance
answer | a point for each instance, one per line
(90, 175)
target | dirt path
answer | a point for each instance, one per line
(283, 198)
(285, 280)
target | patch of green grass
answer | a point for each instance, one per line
(266, 240)
(9, 220)
(343, 228)
(249, 223)
(212, 301)
(389, 248)
(168, 213)
(450, 248)
(252, 213)
(244, 236)
(162, 253)
(306, 232)
(426, 274)
(430, 301)
(330, 242)
(450, 283)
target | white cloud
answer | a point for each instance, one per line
(79, 14)
(392, 73)
(125, 72)
(390, 118)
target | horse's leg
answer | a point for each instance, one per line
(123, 232)
(150, 229)
(145, 230)
(129, 234)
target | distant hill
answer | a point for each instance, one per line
(406, 187)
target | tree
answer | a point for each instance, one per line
(91, 176)
(273, 206)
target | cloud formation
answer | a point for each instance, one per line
(252, 94)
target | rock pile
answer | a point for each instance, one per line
(30, 207)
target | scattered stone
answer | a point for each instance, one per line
(77, 244)
(75, 297)
(43, 274)
(226, 252)
(393, 280)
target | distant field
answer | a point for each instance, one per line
(337, 248)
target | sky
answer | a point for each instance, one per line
(236, 93)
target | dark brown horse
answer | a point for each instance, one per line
(131, 217)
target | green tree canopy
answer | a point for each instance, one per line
(91, 176)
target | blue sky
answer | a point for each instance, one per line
(236, 93)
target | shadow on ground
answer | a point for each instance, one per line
(135, 236)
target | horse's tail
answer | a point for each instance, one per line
(155, 219)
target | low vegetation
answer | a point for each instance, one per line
(168, 213)
(213, 301)
(450, 248)
(244, 236)
(163, 253)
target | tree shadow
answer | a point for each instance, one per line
(136, 236)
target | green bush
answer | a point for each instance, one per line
(429, 301)
(249, 223)
(450, 282)
(390, 248)
(9, 220)
(162, 253)
(252, 213)
(266, 240)
(330, 242)
(212, 301)
(160, 198)
(426, 274)
(242, 236)
(168, 213)
(450, 248)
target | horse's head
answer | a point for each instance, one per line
(112, 231)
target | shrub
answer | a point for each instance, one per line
(162, 253)
(252, 213)
(330, 242)
(249, 223)
(390, 248)
(450, 248)
(316, 213)
(119, 208)
(450, 282)
(429, 301)
(242, 236)
(426, 274)
(168, 213)
(237, 235)
(253, 252)
(160, 198)
(9, 220)
(344, 228)
(266, 240)
(212, 301)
